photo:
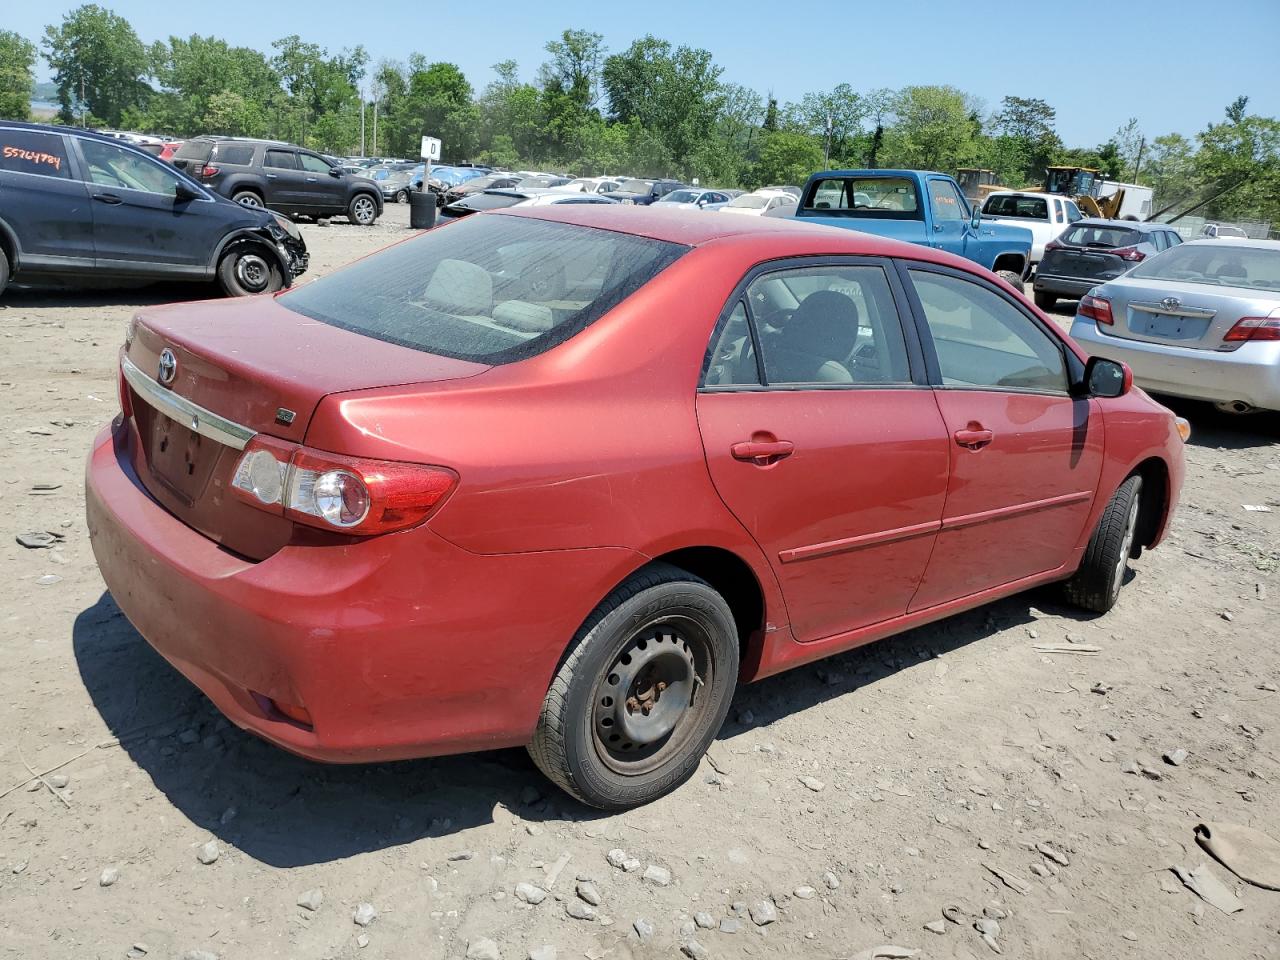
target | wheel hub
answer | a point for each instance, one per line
(648, 690)
(252, 271)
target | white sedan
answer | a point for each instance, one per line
(762, 203)
(693, 198)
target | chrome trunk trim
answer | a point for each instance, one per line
(191, 415)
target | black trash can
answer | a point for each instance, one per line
(422, 209)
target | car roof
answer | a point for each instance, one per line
(1220, 242)
(78, 131)
(784, 236)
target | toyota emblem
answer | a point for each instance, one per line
(1171, 303)
(168, 368)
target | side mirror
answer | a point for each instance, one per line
(335, 172)
(182, 192)
(1107, 378)
(975, 218)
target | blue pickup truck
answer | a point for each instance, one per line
(919, 207)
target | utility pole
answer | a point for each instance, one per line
(362, 123)
(375, 127)
(826, 143)
(1137, 163)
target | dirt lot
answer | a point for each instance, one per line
(928, 759)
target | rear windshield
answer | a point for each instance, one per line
(1220, 264)
(749, 201)
(1031, 208)
(194, 150)
(490, 288)
(1084, 235)
(490, 201)
(879, 198)
(636, 186)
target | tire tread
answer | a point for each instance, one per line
(1090, 587)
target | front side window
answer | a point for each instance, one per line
(112, 166)
(281, 160)
(946, 204)
(30, 151)
(893, 198)
(983, 341)
(491, 289)
(312, 163)
(815, 325)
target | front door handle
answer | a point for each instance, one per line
(107, 198)
(762, 452)
(974, 436)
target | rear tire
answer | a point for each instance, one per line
(1010, 277)
(4, 271)
(363, 211)
(248, 270)
(1046, 301)
(248, 198)
(642, 692)
(402, 196)
(1096, 585)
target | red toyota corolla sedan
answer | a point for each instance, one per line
(563, 478)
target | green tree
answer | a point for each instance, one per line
(834, 117)
(513, 110)
(935, 129)
(98, 64)
(1242, 158)
(17, 60)
(207, 86)
(673, 92)
(1024, 140)
(788, 157)
(318, 85)
(1171, 170)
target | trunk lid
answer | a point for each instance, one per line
(258, 366)
(1178, 314)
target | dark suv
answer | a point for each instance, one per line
(645, 192)
(258, 173)
(76, 206)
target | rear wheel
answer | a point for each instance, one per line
(247, 198)
(1012, 278)
(1096, 585)
(247, 270)
(363, 210)
(644, 689)
(1045, 301)
(402, 196)
(4, 271)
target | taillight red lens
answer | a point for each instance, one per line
(207, 171)
(1052, 245)
(1132, 254)
(1254, 328)
(122, 388)
(355, 495)
(1097, 309)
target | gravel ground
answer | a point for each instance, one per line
(844, 806)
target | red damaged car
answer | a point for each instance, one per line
(563, 478)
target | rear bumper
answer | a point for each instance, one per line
(1064, 286)
(398, 646)
(1250, 373)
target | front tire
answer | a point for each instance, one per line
(643, 691)
(402, 196)
(1012, 278)
(4, 271)
(247, 270)
(1046, 301)
(1096, 585)
(362, 211)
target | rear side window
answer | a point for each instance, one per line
(197, 150)
(281, 160)
(1085, 235)
(241, 154)
(29, 151)
(889, 198)
(492, 289)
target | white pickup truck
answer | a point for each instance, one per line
(1044, 214)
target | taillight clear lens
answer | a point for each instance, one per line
(259, 473)
(338, 497)
(1132, 254)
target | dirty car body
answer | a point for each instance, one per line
(558, 411)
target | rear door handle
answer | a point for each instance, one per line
(107, 198)
(974, 436)
(762, 452)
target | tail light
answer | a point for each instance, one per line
(122, 389)
(352, 495)
(1052, 245)
(1097, 309)
(1254, 329)
(1132, 254)
(207, 171)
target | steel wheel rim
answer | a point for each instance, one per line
(252, 272)
(364, 210)
(1126, 544)
(249, 200)
(648, 703)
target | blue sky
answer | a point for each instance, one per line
(1174, 65)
